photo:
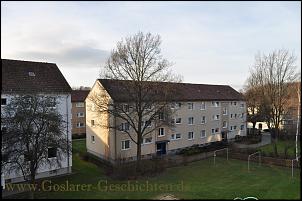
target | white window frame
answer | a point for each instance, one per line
(242, 127)
(192, 123)
(123, 145)
(191, 132)
(205, 120)
(175, 138)
(216, 117)
(217, 130)
(213, 133)
(190, 104)
(80, 104)
(215, 104)
(79, 123)
(205, 134)
(144, 140)
(123, 126)
(177, 119)
(78, 114)
(159, 134)
(92, 139)
(125, 108)
(203, 104)
(226, 124)
(225, 111)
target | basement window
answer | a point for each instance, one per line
(31, 74)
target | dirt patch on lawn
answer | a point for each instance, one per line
(166, 197)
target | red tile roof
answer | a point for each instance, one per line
(79, 95)
(185, 91)
(32, 77)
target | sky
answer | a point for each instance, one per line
(207, 42)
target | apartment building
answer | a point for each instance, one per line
(78, 111)
(28, 77)
(202, 114)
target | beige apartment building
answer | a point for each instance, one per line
(78, 111)
(204, 114)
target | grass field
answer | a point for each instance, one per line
(268, 149)
(201, 180)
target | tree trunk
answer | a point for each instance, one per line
(32, 182)
(138, 156)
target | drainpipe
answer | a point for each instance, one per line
(67, 117)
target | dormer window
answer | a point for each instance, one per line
(31, 74)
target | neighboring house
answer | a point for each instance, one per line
(78, 111)
(27, 77)
(204, 114)
(290, 115)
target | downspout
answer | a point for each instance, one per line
(67, 140)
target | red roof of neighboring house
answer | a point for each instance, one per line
(79, 95)
(32, 77)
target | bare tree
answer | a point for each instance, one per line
(34, 136)
(271, 75)
(138, 62)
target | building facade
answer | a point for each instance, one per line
(78, 112)
(204, 114)
(27, 77)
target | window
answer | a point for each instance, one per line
(161, 132)
(178, 105)
(234, 127)
(148, 107)
(80, 124)
(235, 103)
(203, 106)
(125, 144)
(125, 108)
(242, 127)
(161, 116)
(203, 119)
(242, 115)
(190, 106)
(215, 117)
(3, 129)
(190, 120)
(190, 135)
(52, 152)
(31, 74)
(147, 140)
(176, 136)
(92, 122)
(224, 124)
(215, 103)
(92, 139)
(235, 116)
(79, 104)
(231, 115)
(80, 114)
(203, 133)
(178, 120)
(216, 130)
(224, 111)
(173, 105)
(125, 126)
(3, 101)
(242, 105)
(147, 124)
(52, 102)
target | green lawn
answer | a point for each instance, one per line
(201, 180)
(268, 149)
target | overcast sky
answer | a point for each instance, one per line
(208, 42)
